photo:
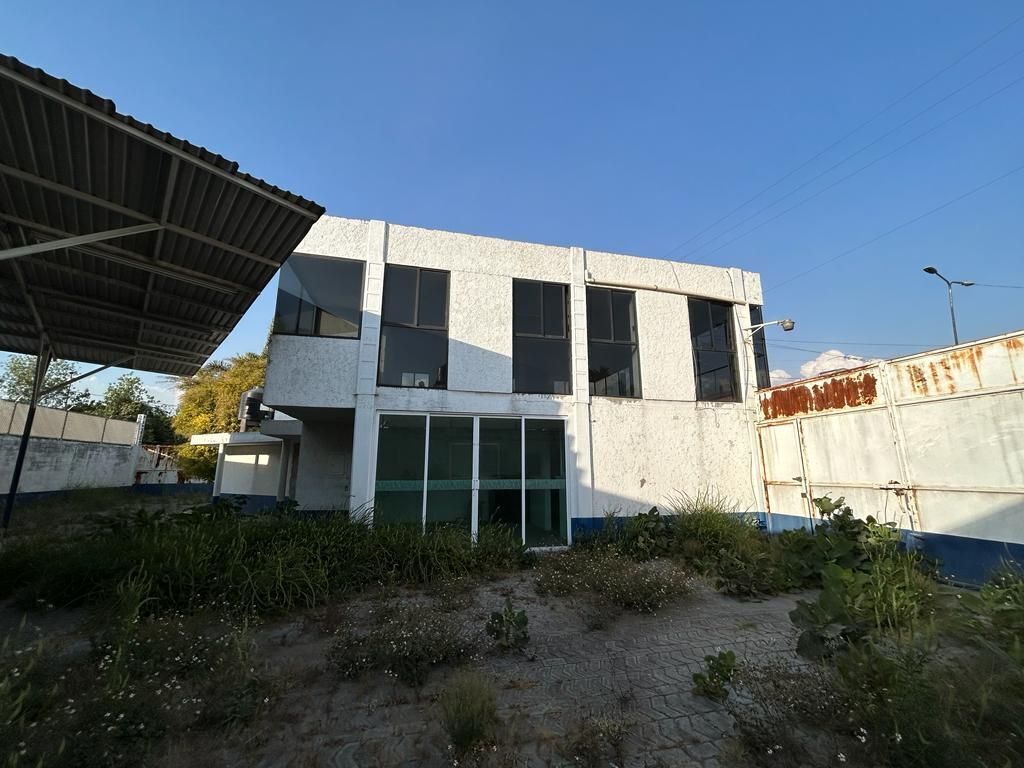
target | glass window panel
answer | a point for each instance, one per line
(289, 301)
(527, 307)
(546, 524)
(716, 376)
(554, 310)
(412, 357)
(433, 299)
(501, 480)
(614, 369)
(623, 316)
(700, 323)
(450, 471)
(541, 366)
(721, 326)
(398, 490)
(757, 338)
(335, 286)
(307, 319)
(399, 295)
(332, 325)
(599, 314)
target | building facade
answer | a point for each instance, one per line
(443, 377)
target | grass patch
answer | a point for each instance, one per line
(114, 704)
(405, 643)
(469, 711)
(615, 578)
(259, 565)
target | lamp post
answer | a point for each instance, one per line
(949, 290)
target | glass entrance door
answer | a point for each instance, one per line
(473, 471)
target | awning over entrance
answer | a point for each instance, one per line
(120, 243)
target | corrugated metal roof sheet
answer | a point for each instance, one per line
(71, 164)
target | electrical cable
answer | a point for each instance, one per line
(864, 167)
(845, 136)
(902, 225)
(856, 152)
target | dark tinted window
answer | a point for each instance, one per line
(433, 304)
(613, 347)
(540, 350)
(319, 296)
(764, 379)
(400, 295)
(413, 334)
(527, 308)
(714, 352)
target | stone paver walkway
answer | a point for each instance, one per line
(637, 671)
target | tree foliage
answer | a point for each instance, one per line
(19, 372)
(126, 398)
(209, 403)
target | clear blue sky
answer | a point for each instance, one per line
(620, 127)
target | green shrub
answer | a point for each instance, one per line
(641, 587)
(113, 705)
(998, 610)
(713, 682)
(508, 627)
(596, 741)
(271, 563)
(646, 535)
(705, 524)
(406, 642)
(469, 711)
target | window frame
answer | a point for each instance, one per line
(520, 419)
(565, 338)
(634, 343)
(318, 310)
(762, 369)
(416, 325)
(732, 349)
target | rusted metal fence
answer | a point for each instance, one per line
(933, 442)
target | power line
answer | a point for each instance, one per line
(902, 225)
(993, 285)
(845, 136)
(856, 152)
(864, 167)
(860, 343)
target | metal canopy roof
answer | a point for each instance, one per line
(202, 238)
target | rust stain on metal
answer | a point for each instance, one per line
(831, 395)
(918, 380)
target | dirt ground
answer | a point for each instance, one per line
(637, 671)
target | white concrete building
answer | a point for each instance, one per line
(449, 377)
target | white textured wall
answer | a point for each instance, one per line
(640, 450)
(311, 372)
(645, 451)
(57, 465)
(251, 470)
(325, 465)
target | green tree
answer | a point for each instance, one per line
(20, 371)
(209, 403)
(126, 398)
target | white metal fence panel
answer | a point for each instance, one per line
(934, 441)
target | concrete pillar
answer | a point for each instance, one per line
(581, 470)
(283, 467)
(218, 475)
(366, 382)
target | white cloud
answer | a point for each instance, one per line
(780, 376)
(832, 360)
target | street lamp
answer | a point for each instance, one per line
(786, 325)
(949, 289)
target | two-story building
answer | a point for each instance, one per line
(443, 377)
